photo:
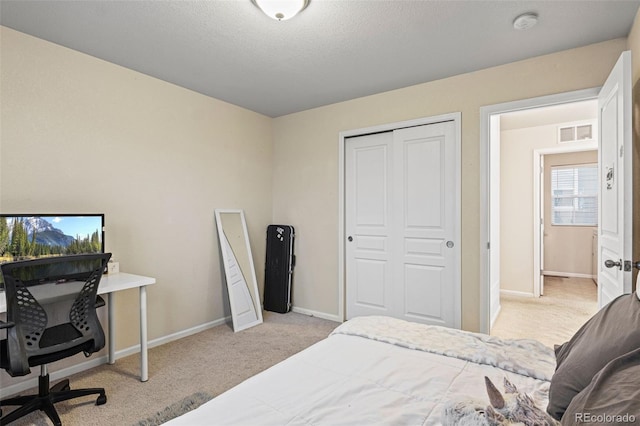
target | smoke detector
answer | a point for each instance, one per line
(525, 21)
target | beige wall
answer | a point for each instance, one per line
(567, 249)
(305, 169)
(517, 202)
(83, 135)
(633, 44)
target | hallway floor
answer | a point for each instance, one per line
(551, 319)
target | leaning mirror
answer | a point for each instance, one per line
(240, 275)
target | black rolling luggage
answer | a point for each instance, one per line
(279, 268)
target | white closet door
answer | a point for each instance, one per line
(401, 225)
(369, 265)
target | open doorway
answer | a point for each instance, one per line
(543, 220)
(615, 176)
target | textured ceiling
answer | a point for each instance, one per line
(333, 51)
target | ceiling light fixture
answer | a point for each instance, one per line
(281, 10)
(525, 21)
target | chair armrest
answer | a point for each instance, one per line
(4, 324)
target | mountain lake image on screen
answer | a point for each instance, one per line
(31, 236)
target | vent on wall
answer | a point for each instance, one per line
(575, 132)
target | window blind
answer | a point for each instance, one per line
(574, 195)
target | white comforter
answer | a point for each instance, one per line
(379, 371)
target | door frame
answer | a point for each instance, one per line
(486, 112)
(538, 204)
(456, 117)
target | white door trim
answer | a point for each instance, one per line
(485, 113)
(456, 117)
(538, 205)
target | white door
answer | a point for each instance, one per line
(615, 202)
(368, 217)
(401, 225)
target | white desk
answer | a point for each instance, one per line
(109, 284)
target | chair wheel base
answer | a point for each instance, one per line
(102, 399)
(45, 399)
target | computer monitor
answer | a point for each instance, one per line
(31, 236)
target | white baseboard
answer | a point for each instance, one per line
(516, 293)
(317, 314)
(171, 337)
(99, 360)
(566, 274)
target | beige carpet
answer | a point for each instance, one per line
(551, 319)
(211, 361)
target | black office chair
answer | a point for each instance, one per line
(51, 315)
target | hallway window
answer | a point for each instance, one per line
(574, 195)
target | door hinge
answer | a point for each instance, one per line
(489, 246)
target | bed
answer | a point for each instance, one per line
(386, 371)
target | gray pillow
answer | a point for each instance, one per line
(612, 397)
(612, 332)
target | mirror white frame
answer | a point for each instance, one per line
(240, 275)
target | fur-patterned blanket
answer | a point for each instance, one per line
(514, 408)
(523, 356)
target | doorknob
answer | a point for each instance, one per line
(610, 263)
(350, 238)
